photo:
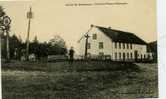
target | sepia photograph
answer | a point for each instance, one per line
(78, 49)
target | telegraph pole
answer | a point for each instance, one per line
(86, 36)
(86, 41)
(86, 45)
(29, 16)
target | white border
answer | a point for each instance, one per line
(161, 23)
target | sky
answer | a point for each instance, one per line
(53, 17)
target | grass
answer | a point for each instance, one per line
(91, 80)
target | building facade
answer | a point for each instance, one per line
(115, 45)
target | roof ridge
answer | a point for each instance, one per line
(113, 29)
(121, 36)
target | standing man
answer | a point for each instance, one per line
(71, 55)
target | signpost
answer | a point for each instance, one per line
(1, 44)
(6, 23)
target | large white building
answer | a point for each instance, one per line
(114, 44)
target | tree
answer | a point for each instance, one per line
(152, 47)
(3, 37)
(34, 47)
(39, 49)
(2, 13)
(20, 39)
(57, 46)
(3, 46)
(15, 46)
(57, 40)
(5, 25)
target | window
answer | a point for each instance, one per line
(119, 55)
(115, 45)
(127, 46)
(130, 46)
(144, 56)
(124, 56)
(141, 56)
(119, 45)
(123, 45)
(94, 36)
(127, 55)
(101, 46)
(115, 55)
(88, 46)
(131, 55)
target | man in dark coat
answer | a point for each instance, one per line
(71, 55)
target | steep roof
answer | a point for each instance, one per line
(121, 36)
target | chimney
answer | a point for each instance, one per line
(92, 25)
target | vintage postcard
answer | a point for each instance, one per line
(78, 49)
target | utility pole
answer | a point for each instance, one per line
(86, 45)
(29, 16)
(86, 41)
